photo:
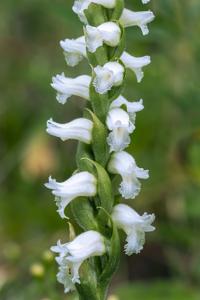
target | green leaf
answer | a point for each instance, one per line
(84, 151)
(104, 188)
(96, 14)
(83, 213)
(119, 6)
(112, 263)
(100, 103)
(99, 140)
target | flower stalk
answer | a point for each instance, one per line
(87, 263)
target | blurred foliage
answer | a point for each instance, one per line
(167, 141)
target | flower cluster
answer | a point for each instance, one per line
(102, 89)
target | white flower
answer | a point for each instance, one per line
(72, 255)
(79, 185)
(78, 129)
(135, 64)
(145, 1)
(133, 225)
(131, 107)
(140, 19)
(74, 50)
(118, 122)
(124, 164)
(81, 5)
(108, 33)
(66, 87)
(111, 74)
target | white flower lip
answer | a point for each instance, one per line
(124, 164)
(111, 74)
(133, 225)
(78, 129)
(66, 87)
(79, 185)
(120, 125)
(71, 255)
(140, 19)
(74, 50)
(135, 64)
(108, 33)
(81, 5)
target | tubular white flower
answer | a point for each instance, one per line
(108, 33)
(131, 107)
(120, 125)
(81, 5)
(72, 255)
(133, 225)
(74, 50)
(78, 129)
(124, 164)
(140, 19)
(135, 64)
(111, 74)
(66, 87)
(79, 185)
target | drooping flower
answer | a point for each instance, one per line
(81, 5)
(108, 33)
(124, 164)
(131, 107)
(135, 64)
(74, 50)
(78, 129)
(133, 225)
(111, 74)
(79, 185)
(140, 19)
(66, 87)
(120, 125)
(71, 256)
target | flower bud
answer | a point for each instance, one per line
(135, 64)
(74, 50)
(79, 185)
(111, 74)
(72, 255)
(140, 19)
(78, 129)
(133, 225)
(118, 122)
(124, 164)
(108, 33)
(66, 87)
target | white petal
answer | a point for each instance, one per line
(78, 129)
(135, 64)
(111, 74)
(141, 19)
(66, 87)
(79, 185)
(74, 50)
(93, 37)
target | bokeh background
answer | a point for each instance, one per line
(167, 141)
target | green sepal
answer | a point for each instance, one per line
(116, 52)
(112, 263)
(99, 140)
(100, 103)
(84, 214)
(117, 12)
(88, 286)
(99, 58)
(84, 151)
(105, 193)
(95, 14)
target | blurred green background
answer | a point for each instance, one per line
(167, 141)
